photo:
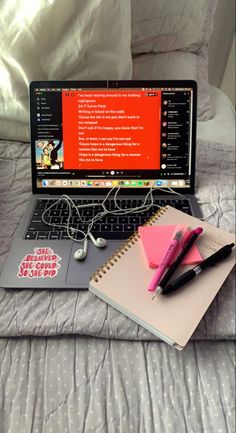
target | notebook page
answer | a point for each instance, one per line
(124, 283)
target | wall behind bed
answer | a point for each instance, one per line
(221, 49)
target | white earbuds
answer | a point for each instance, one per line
(82, 253)
(99, 242)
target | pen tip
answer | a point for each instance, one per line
(158, 291)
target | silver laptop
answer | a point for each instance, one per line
(87, 137)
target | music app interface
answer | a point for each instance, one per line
(111, 129)
(117, 134)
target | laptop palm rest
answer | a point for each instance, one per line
(51, 264)
(80, 271)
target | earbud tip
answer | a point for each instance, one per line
(101, 242)
(79, 254)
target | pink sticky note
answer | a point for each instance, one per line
(156, 239)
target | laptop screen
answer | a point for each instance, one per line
(112, 133)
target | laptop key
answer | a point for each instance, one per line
(178, 206)
(118, 228)
(54, 235)
(76, 220)
(43, 202)
(134, 220)
(64, 220)
(105, 227)
(143, 219)
(43, 235)
(39, 228)
(62, 205)
(88, 213)
(54, 213)
(129, 227)
(36, 220)
(65, 236)
(56, 220)
(111, 219)
(31, 235)
(44, 227)
(112, 235)
(64, 213)
(96, 227)
(123, 219)
(83, 227)
(40, 205)
(38, 213)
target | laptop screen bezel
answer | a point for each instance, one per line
(113, 84)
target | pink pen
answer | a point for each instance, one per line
(167, 258)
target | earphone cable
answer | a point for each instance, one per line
(118, 211)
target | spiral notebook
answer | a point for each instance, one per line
(123, 279)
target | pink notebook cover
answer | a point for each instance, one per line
(155, 241)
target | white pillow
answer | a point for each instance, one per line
(58, 40)
(168, 25)
(182, 29)
(177, 65)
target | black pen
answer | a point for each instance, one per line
(192, 273)
(188, 243)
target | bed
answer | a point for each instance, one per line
(68, 361)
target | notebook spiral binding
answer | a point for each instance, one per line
(106, 266)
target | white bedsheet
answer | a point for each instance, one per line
(222, 127)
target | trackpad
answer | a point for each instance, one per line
(79, 271)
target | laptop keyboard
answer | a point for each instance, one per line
(110, 226)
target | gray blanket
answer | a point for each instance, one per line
(88, 385)
(45, 313)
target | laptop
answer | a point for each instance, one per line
(86, 138)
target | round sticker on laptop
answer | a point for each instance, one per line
(43, 263)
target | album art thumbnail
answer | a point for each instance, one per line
(49, 154)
